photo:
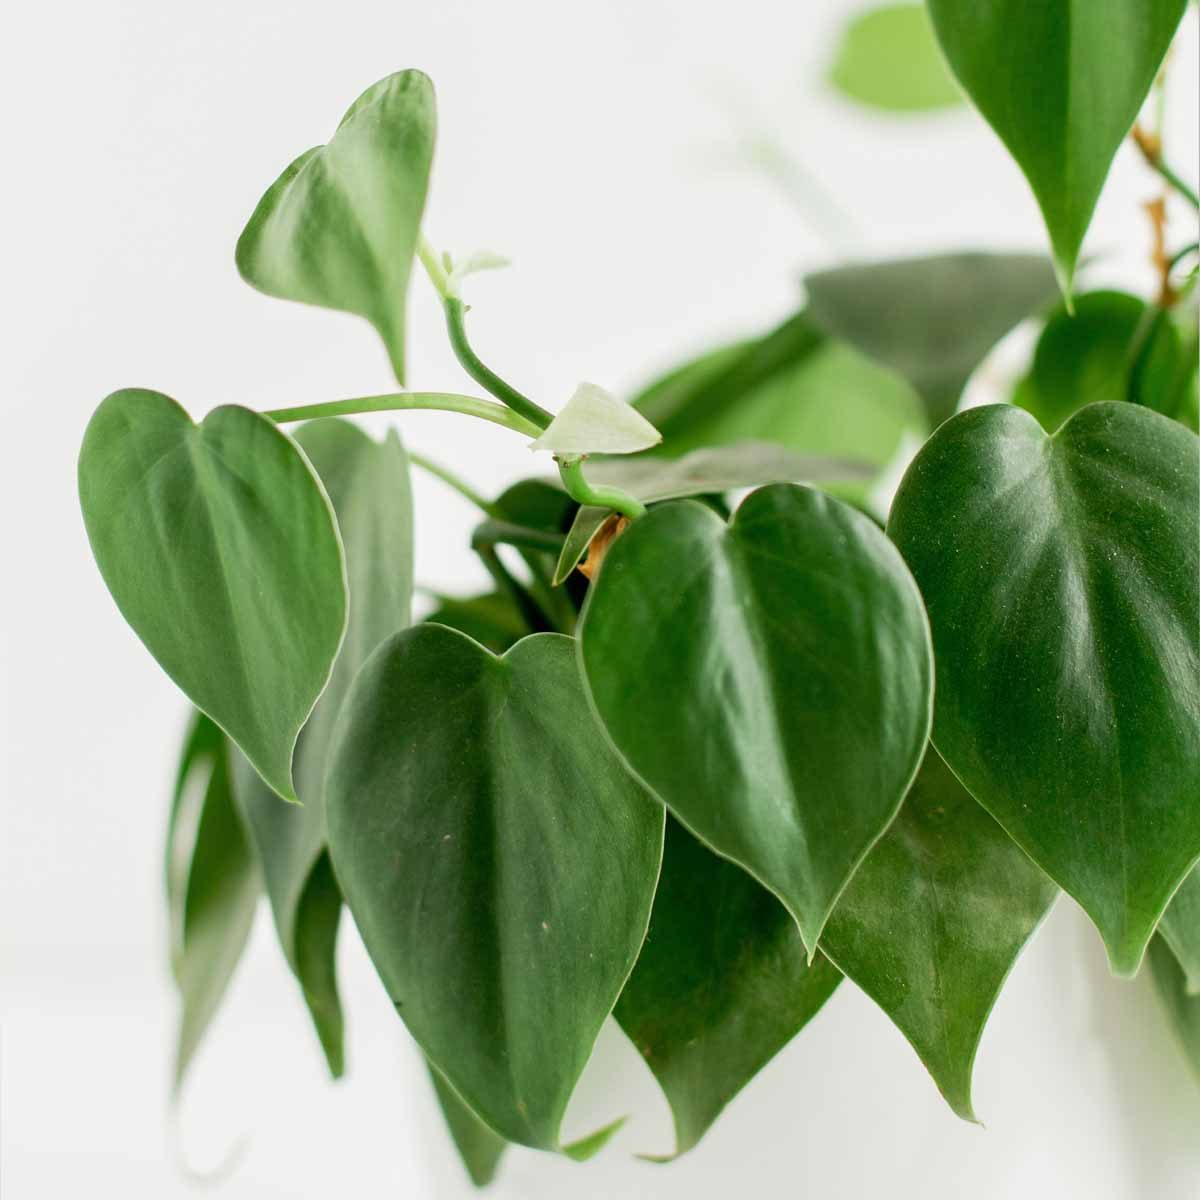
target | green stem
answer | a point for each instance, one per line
(1182, 187)
(455, 482)
(483, 374)
(1182, 254)
(469, 406)
(578, 488)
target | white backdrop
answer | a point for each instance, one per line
(596, 145)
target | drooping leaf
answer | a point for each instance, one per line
(368, 483)
(478, 1146)
(933, 921)
(219, 546)
(491, 619)
(1060, 575)
(1061, 82)
(796, 387)
(707, 471)
(213, 885)
(1180, 929)
(770, 679)
(889, 59)
(1181, 1006)
(1083, 357)
(931, 319)
(339, 227)
(721, 986)
(499, 862)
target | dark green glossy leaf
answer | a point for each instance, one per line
(931, 319)
(1180, 928)
(212, 885)
(368, 484)
(721, 986)
(770, 679)
(1084, 357)
(1061, 82)
(933, 921)
(340, 226)
(492, 619)
(1181, 1006)
(479, 1148)
(220, 548)
(707, 471)
(889, 59)
(795, 387)
(1060, 574)
(499, 863)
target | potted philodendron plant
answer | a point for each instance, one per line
(733, 725)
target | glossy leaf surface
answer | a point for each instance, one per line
(1060, 575)
(770, 679)
(933, 921)
(368, 483)
(479, 1148)
(339, 227)
(711, 470)
(722, 984)
(219, 546)
(796, 387)
(1181, 1006)
(889, 59)
(1180, 928)
(213, 885)
(1061, 82)
(498, 860)
(931, 319)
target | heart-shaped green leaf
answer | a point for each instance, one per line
(1060, 574)
(499, 863)
(889, 59)
(932, 319)
(711, 470)
(479, 1148)
(367, 481)
(1061, 82)
(219, 546)
(340, 226)
(1182, 1007)
(213, 885)
(770, 679)
(1180, 928)
(933, 921)
(721, 986)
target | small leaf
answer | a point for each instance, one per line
(1061, 82)
(1182, 1008)
(1083, 357)
(935, 962)
(499, 862)
(932, 319)
(219, 546)
(1060, 575)
(721, 986)
(368, 484)
(795, 387)
(1180, 929)
(473, 264)
(889, 59)
(479, 1148)
(596, 422)
(702, 472)
(212, 886)
(762, 675)
(339, 227)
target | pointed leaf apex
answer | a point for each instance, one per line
(595, 422)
